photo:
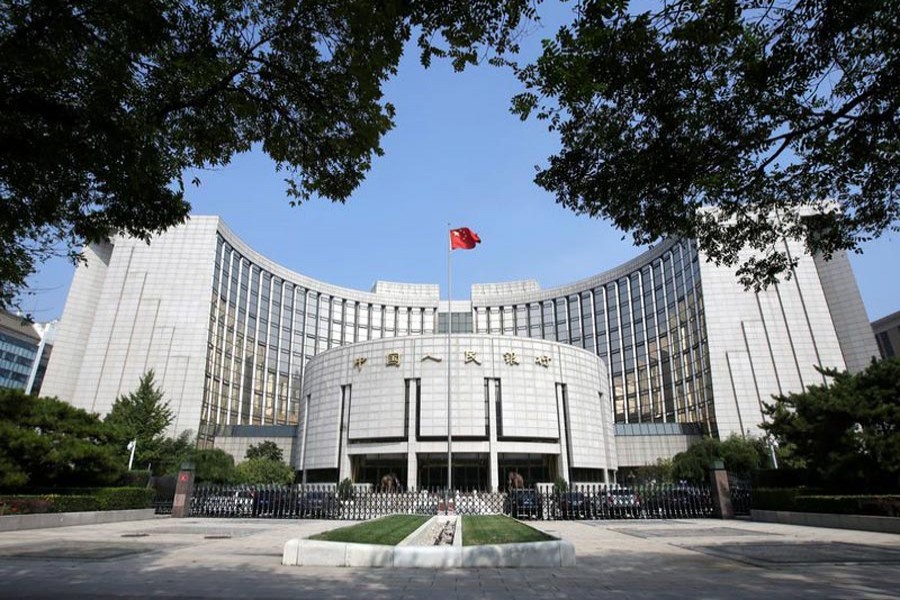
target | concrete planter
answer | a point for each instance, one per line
(302, 552)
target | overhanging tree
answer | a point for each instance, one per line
(104, 105)
(757, 109)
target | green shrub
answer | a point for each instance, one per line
(74, 503)
(881, 506)
(212, 465)
(774, 498)
(345, 489)
(264, 470)
(124, 498)
(783, 478)
(100, 499)
(809, 500)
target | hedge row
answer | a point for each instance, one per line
(880, 506)
(99, 499)
(808, 500)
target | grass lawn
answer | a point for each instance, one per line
(497, 529)
(387, 531)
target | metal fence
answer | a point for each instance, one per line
(577, 502)
(740, 494)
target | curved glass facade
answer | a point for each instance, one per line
(266, 322)
(645, 319)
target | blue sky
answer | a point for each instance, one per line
(456, 155)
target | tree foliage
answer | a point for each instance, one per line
(264, 470)
(267, 449)
(172, 453)
(661, 472)
(50, 443)
(847, 432)
(212, 465)
(740, 456)
(144, 416)
(104, 105)
(782, 116)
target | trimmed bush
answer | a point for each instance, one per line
(100, 499)
(124, 498)
(774, 498)
(783, 478)
(880, 506)
(809, 500)
(75, 503)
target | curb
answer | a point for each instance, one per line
(828, 520)
(312, 553)
(71, 519)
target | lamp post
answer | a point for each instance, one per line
(131, 446)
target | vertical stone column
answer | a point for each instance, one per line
(412, 460)
(344, 458)
(721, 491)
(494, 463)
(562, 464)
(184, 489)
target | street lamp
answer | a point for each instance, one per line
(131, 446)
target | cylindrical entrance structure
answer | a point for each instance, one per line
(379, 408)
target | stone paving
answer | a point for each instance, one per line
(216, 558)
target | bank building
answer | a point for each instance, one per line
(578, 381)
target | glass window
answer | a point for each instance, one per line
(402, 320)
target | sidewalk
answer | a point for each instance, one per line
(218, 558)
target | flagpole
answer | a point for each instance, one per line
(449, 363)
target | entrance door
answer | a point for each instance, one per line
(470, 472)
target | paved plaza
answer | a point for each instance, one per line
(216, 558)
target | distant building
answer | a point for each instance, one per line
(887, 335)
(24, 352)
(578, 381)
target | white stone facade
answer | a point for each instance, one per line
(769, 343)
(510, 397)
(236, 339)
(134, 307)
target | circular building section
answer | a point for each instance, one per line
(382, 407)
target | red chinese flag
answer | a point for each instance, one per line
(463, 238)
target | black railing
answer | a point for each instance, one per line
(317, 501)
(740, 494)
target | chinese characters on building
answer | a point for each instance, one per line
(470, 356)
